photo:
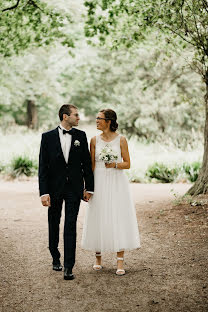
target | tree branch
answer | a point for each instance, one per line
(178, 34)
(181, 9)
(197, 30)
(199, 67)
(31, 2)
(34, 4)
(13, 7)
(205, 5)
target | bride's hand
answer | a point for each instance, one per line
(111, 165)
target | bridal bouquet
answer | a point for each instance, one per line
(108, 155)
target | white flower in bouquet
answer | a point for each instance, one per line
(108, 155)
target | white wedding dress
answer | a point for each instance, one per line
(110, 218)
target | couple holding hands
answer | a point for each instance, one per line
(68, 172)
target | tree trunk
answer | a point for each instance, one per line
(201, 184)
(32, 115)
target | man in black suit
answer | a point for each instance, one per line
(65, 174)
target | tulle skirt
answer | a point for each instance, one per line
(110, 219)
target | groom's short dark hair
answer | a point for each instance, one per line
(65, 109)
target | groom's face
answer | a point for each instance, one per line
(73, 118)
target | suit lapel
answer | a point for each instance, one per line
(58, 145)
(72, 144)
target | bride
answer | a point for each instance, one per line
(110, 220)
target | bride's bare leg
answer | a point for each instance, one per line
(98, 258)
(120, 254)
(97, 266)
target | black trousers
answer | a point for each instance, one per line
(72, 203)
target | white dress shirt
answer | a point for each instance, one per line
(65, 140)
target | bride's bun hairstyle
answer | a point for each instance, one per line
(111, 115)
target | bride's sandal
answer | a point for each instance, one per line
(120, 272)
(97, 267)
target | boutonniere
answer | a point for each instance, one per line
(76, 143)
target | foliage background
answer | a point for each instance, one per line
(151, 84)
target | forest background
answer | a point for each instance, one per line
(46, 60)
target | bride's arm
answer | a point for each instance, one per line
(125, 164)
(92, 152)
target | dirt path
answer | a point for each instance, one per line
(168, 273)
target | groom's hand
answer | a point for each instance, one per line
(45, 200)
(87, 196)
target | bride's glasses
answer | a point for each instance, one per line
(99, 118)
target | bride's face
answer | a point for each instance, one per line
(101, 122)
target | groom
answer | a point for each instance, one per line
(65, 174)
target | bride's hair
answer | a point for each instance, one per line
(111, 115)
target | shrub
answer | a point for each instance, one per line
(192, 170)
(23, 166)
(162, 172)
(134, 176)
(2, 167)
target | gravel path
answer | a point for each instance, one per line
(168, 273)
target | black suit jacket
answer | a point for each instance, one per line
(54, 172)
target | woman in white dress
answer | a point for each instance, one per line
(110, 219)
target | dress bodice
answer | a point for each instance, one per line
(100, 144)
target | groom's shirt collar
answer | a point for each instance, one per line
(65, 141)
(60, 126)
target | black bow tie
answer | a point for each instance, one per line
(69, 131)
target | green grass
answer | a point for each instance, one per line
(24, 142)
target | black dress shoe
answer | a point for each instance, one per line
(68, 275)
(57, 267)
